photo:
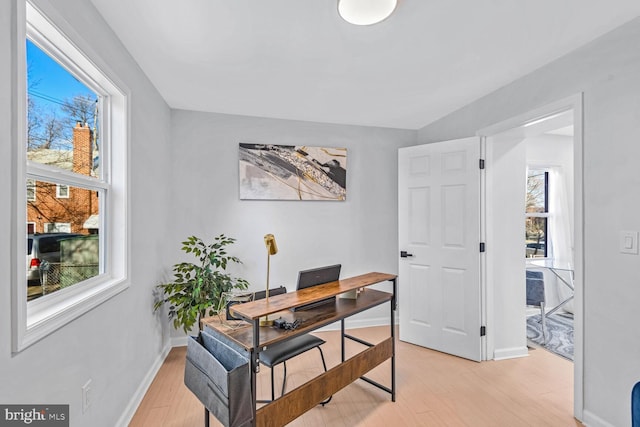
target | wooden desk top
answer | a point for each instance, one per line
(310, 319)
(256, 309)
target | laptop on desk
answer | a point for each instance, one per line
(315, 277)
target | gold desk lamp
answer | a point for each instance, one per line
(272, 249)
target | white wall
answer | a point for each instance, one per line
(117, 343)
(360, 233)
(606, 71)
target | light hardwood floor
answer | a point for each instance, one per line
(433, 389)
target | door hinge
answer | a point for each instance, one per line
(482, 247)
(483, 331)
(481, 163)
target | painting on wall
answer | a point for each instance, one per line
(288, 172)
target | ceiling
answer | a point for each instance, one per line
(295, 59)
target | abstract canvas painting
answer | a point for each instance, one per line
(288, 172)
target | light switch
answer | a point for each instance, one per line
(629, 242)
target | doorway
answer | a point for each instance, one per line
(505, 152)
(549, 236)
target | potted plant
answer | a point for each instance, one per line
(197, 288)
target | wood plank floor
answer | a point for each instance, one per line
(433, 389)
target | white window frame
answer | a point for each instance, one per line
(547, 214)
(33, 320)
(60, 194)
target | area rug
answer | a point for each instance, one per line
(559, 333)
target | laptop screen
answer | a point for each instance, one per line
(318, 276)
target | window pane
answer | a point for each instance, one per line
(537, 182)
(64, 248)
(59, 260)
(62, 117)
(536, 237)
(76, 212)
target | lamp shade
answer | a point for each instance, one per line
(365, 12)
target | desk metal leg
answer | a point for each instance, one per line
(562, 279)
(206, 417)
(393, 344)
(557, 307)
(568, 285)
(255, 367)
(391, 390)
(342, 339)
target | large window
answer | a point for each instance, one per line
(537, 214)
(63, 142)
(73, 191)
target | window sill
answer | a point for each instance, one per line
(47, 314)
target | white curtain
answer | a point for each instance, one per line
(560, 228)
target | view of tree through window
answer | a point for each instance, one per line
(537, 213)
(63, 151)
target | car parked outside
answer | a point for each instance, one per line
(43, 248)
(536, 250)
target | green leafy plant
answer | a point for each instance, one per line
(197, 288)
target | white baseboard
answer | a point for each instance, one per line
(592, 420)
(135, 401)
(510, 353)
(179, 341)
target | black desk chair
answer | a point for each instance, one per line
(535, 296)
(284, 350)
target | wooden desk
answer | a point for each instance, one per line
(255, 339)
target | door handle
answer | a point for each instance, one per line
(405, 254)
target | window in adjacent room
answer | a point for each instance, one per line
(73, 148)
(537, 213)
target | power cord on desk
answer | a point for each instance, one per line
(280, 323)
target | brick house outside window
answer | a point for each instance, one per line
(78, 211)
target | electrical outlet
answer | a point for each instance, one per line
(86, 396)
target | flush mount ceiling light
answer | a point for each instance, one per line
(365, 12)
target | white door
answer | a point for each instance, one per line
(439, 231)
